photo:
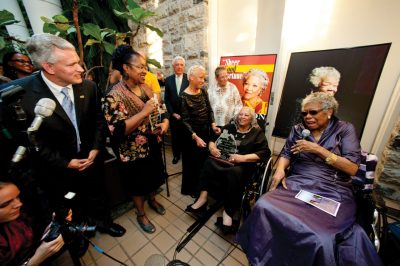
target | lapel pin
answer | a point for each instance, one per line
(82, 96)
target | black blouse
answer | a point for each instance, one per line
(196, 111)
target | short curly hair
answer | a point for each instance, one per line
(252, 113)
(326, 100)
(261, 75)
(122, 55)
(318, 73)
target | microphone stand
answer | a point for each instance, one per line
(165, 166)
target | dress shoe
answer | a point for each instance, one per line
(227, 229)
(157, 207)
(175, 160)
(199, 212)
(113, 229)
(148, 228)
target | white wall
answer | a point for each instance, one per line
(315, 25)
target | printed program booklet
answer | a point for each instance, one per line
(327, 205)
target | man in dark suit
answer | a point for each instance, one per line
(174, 85)
(70, 141)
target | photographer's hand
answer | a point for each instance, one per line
(45, 250)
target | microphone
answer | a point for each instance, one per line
(44, 108)
(10, 91)
(18, 155)
(306, 134)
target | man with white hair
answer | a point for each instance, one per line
(174, 86)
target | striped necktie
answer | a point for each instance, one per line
(68, 106)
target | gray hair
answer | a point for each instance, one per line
(41, 48)
(262, 76)
(326, 100)
(318, 73)
(176, 58)
(194, 69)
(252, 113)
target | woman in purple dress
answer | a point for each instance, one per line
(283, 230)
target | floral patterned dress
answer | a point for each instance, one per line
(140, 151)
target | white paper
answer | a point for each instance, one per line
(327, 205)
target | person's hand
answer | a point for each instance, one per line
(79, 164)
(163, 126)
(216, 129)
(237, 158)
(200, 142)
(215, 152)
(149, 107)
(177, 116)
(304, 146)
(93, 154)
(277, 178)
(45, 250)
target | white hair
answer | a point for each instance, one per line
(41, 47)
(318, 73)
(176, 58)
(194, 69)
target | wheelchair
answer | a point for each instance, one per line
(257, 186)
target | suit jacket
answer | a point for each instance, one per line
(56, 136)
(171, 96)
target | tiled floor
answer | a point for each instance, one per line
(208, 247)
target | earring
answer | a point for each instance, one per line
(329, 117)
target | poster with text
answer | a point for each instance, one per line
(238, 66)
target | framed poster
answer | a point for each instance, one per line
(359, 69)
(238, 66)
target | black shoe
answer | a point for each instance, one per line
(175, 160)
(200, 212)
(114, 230)
(227, 229)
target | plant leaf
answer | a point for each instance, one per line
(132, 4)
(108, 47)
(92, 30)
(157, 30)
(91, 42)
(46, 19)
(154, 62)
(7, 18)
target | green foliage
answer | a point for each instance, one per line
(7, 42)
(138, 15)
(57, 25)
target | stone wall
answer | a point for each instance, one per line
(388, 169)
(184, 24)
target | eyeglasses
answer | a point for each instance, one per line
(22, 61)
(311, 112)
(138, 67)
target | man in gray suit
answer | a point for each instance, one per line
(174, 85)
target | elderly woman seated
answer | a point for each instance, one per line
(288, 228)
(228, 180)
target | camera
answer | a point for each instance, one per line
(72, 233)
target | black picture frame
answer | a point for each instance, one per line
(360, 69)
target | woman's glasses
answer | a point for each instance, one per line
(311, 112)
(138, 67)
(22, 61)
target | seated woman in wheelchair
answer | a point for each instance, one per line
(283, 229)
(228, 180)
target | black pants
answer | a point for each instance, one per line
(176, 128)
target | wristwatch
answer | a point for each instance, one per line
(331, 159)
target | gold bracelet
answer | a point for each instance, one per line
(331, 159)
